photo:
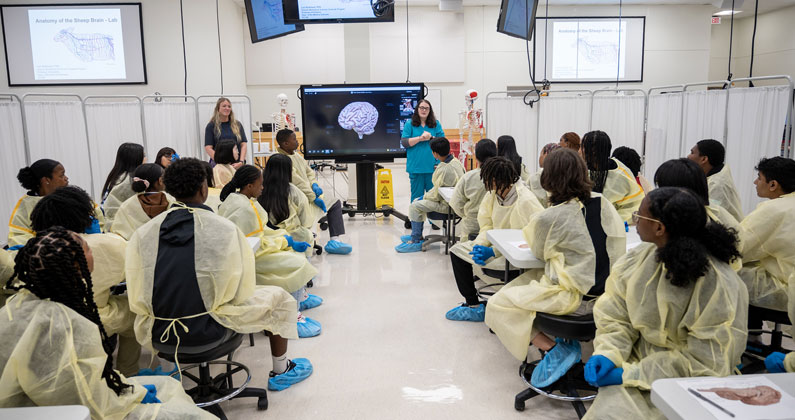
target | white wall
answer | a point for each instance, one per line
(775, 46)
(163, 50)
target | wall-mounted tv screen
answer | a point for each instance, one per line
(266, 20)
(517, 18)
(333, 11)
(73, 44)
(353, 123)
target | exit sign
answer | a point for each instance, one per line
(716, 20)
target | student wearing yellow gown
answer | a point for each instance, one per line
(55, 349)
(148, 202)
(610, 177)
(469, 191)
(286, 206)
(213, 193)
(534, 182)
(279, 260)
(118, 185)
(710, 156)
(673, 307)
(506, 147)
(226, 162)
(40, 179)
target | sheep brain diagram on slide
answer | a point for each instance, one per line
(360, 117)
(87, 47)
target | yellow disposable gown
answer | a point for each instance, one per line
(51, 355)
(6, 271)
(222, 174)
(493, 215)
(303, 178)
(467, 196)
(723, 192)
(719, 215)
(445, 175)
(120, 193)
(19, 226)
(656, 330)
(534, 183)
(768, 248)
(213, 198)
(559, 237)
(276, 264)
(299, 222)
(623, 191)
(525, 175)
(109, 252)
(130, 217)
(225, 274)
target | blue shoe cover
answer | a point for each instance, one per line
(556, 363)
(313, 301)
(467, 313)
(409, 247)
(405, 238)
(337, 247)
(298, 370)
(308, 328)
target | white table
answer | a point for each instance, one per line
(677, 404)
(446, 193)
(253, 243)
(64, 412)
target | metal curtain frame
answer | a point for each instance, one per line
(250, 119)
(82, 109)
(680, 89)
(24, 124)
(140, 109)
(488, 95)
(682, 118)
(645, 115)
(185, 97)
(787, 152)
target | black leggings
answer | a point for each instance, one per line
(465, 279)
(334, 218)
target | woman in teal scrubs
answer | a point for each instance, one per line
(420, 162)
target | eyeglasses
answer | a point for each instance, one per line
(425, 108)
(636, 216)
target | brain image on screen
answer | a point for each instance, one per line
(360, 117)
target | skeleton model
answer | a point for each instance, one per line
(282, 119)
(470, 121)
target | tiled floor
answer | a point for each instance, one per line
(386, 350)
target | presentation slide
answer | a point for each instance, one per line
(589, 50)
(76, 44)
(340, 121)
(334, 9)
(269, 19)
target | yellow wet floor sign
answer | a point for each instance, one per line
(383, 189)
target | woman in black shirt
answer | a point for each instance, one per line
(223, 125)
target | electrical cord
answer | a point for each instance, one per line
(731, 36)
(408, 59)
(618, 61)
(545, 82)
(220, 58)
(184, 54)
(753, 44)
(527, 99)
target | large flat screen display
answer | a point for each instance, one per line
(266, 20)
(354, 123)
(73, 44)
(517, 18)
(333, 11)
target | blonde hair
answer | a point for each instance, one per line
(216, 119)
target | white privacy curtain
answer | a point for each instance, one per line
(662, 132)
(705, 116)
(510, 116)
(756, 124)
(621, 117)
(109, 125)
(561, 114)
(12, 160)
(241, 107)
(56, 130)
(172, 123)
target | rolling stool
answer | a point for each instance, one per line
(448, 225)
(581, 328)
(210, 391)
(504, 277)
(757, 352)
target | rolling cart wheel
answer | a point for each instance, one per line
(407, 224)
(324, 226)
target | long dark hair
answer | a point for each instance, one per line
(224, 151)
(247, 174)
(498, 174)
(128, 157)
(166, 151)
(52, 266)
(565, 177)
(149, 172)
(430, 122)
(506, 147)
(275, 195)
(30, 176)
(596, 148)
(683, 173)
(691, 236)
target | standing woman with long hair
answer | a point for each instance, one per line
(610, 177)
(118, 185)
(506, 147)
(222, 126)
(415, 139)
(55, 350)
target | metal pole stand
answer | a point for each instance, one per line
(365, 195)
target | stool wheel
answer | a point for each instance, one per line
(407, 224)
(324, 226)
(518, 405)
(262, 403)
(351, 214)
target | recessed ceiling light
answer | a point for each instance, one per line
(726, 13)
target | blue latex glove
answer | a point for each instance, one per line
(174, 157)
(319, 202)
(481, 254)
(614, 377)
(298, 246)
(94, 228)
(597, 368)
(15, 247)
(151, 395)
(775, 362)
(316, 188)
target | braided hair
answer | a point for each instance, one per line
(69, 207)
(52, 266)
(247, 174)
(498, 174)
(596, 148)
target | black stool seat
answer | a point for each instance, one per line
(772, 315)
(440, 216)
(500, 274)
(574, 327)
(224, 349)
